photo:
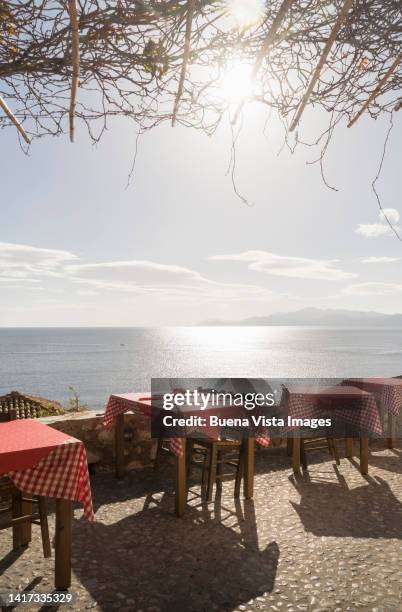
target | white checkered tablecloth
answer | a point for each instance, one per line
(120, 404)
(62, 474)
(361, 412)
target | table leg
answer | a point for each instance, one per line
(296, 450)
(181, 481)
(249, 468)
(21, 505)
(26, 528)
(349, 448)
(64, 514)
(391, 431)
(119, 446)
(364, 447)
(16, 509)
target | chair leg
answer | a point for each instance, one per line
(219, 470)
(303, 456)
(239, 472)
(158, 455)
(44, 527)
(204, 476)
(335, 451)
(189, 456)
(211, 471)
(16, 510)
(289, 446)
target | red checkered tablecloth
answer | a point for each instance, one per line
(54, 464)
(118, 404)
(63, 474)
(135, 402)
(346, 403)
(130, 402)
(388, 391)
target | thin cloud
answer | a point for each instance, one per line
(293, 267)
(136, 272)
(369, 260)
(372, 288)
(167, 281)
(21, 262)
(87, 292)
(381, 228)
(22, 254)
(10, 281)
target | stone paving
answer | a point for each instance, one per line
(328, 540)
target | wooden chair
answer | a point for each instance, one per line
(15, 503)
(212, 456)
(163, 448)
(308, 443)
(317, 444)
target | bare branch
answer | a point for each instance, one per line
(328, 45)
(14, 120)
(186, 55)
(75, 54)
(135, 57)
(377, 90)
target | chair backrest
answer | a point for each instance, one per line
(285, 395)
(14, 405)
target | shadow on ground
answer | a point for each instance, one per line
(303, 541)
(196, 563)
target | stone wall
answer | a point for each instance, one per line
(139, 449)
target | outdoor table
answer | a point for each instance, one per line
(140, 403)
(43, 461)
(388, 393)
(352, 405)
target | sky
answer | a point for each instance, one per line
(177, 247)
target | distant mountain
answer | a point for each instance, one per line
(323, 317)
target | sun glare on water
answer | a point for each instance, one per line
(246, 12)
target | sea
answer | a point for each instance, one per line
(57, 363)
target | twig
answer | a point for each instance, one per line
(232, 164)
(267, 44)
(134, 162)
(186, 55)
(377, 90)
(75, 55)
(14, 120)
(276, 24)
(373, 184)
(347, 5)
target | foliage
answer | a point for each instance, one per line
(49, 407)
(74, 403)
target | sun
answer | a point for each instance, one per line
(246, 12)
(236, 83)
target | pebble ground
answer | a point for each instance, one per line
(330, 540)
